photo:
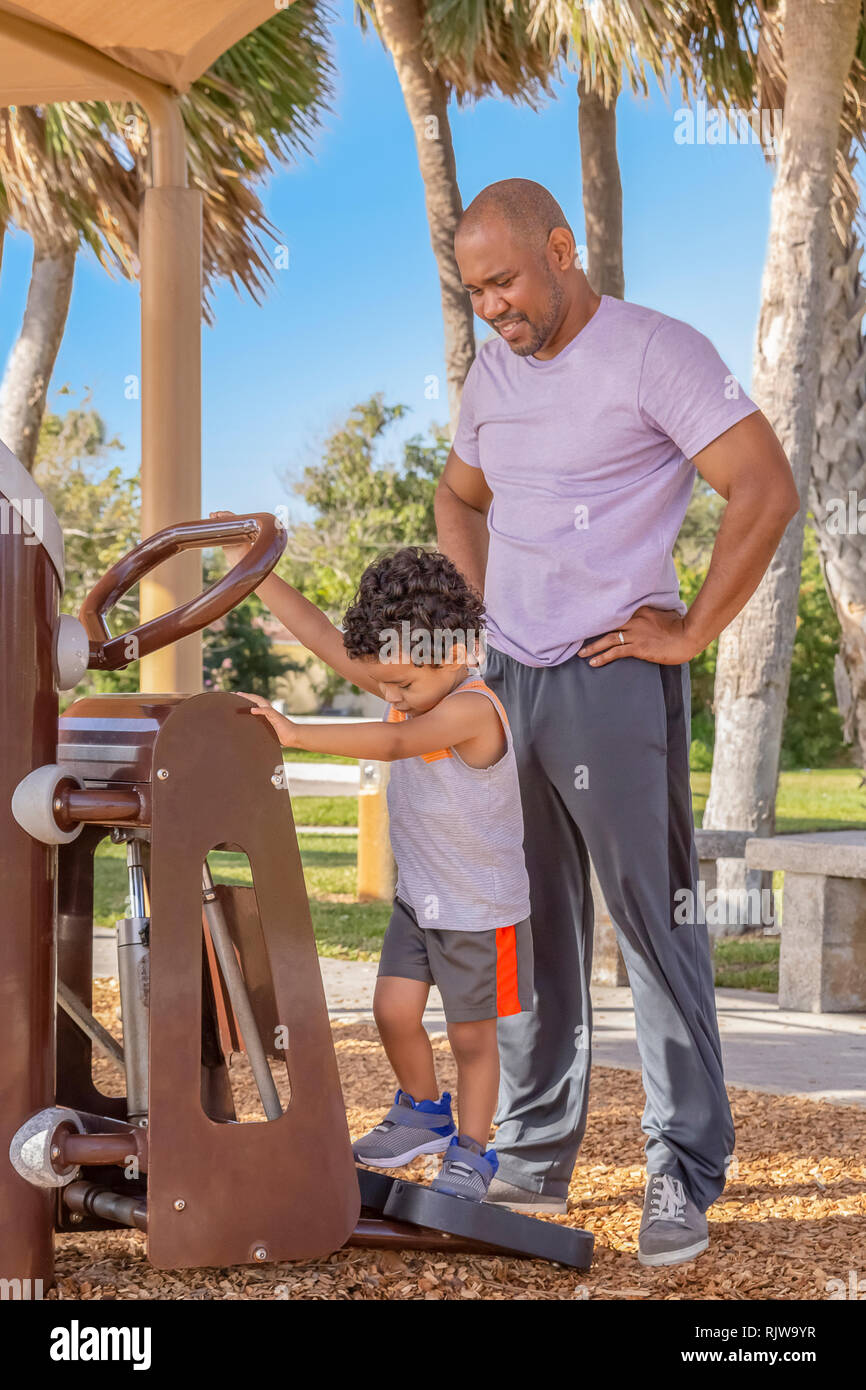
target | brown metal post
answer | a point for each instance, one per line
(29, 595)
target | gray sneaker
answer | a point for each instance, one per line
(504, 1194)
(410, 1128)
(672, 1229)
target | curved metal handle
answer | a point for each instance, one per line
(109, 653)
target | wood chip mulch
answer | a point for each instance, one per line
(790, 1221)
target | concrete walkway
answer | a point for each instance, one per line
(819, 1056)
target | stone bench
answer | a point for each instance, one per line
(822, 964)
(718, 844)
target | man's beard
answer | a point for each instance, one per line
(543, 329)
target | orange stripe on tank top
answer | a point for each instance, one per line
(507, 997)
(482, 685)
(396, 716)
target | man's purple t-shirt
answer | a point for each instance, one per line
(587, 456)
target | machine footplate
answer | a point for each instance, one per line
(508, 1231)
(375, 1191)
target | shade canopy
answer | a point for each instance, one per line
(170, 41)
(149, 52)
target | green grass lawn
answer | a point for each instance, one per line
(821, 800)
(305, 755)
(348, 929)
(325, 810)
(750, 961)
(826, 799)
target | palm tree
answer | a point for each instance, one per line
(696, 43)
(73, 174)
(482, 46)
(514, 48)
(409, 29)
(839, 470)
(819, 40)
(62, 183)
(839, 457)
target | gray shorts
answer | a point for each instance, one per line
(480, 974)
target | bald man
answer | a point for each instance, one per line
(582, 425)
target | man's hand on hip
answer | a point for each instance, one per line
(653, 634)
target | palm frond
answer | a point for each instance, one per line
(482, 47)
(77, 170)
(517, 47)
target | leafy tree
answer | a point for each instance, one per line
(98, 508)
(813, 726)
(361, 504)
(237, 652)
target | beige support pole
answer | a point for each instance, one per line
(170, 241)
(170, 256)
(377, 872)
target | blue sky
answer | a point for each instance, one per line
(358, 310)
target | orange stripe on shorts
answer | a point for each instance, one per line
(507, 997)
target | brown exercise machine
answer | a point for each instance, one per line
(204, 970)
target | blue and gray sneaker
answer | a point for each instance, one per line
(466, 1170)
(410, 1128)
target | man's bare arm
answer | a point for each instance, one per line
(461, 505)
(747, 466)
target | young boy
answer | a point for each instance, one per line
(461, 909)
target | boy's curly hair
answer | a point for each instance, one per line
(420, 587)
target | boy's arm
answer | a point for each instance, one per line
(307, 622)
(450, 723)
(312, 628)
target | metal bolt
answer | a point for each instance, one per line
(179, 1204)
(276, 780)
(162, 773)
(58, 803)
(260, 1253)
(55, 1152)
(76, 1218)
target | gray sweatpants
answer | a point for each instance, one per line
(602, 755)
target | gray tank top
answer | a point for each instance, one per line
(457, 834)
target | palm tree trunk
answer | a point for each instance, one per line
(754, 657)
(602, 191)
(28, 372)
(838, 471)
(426, 97)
